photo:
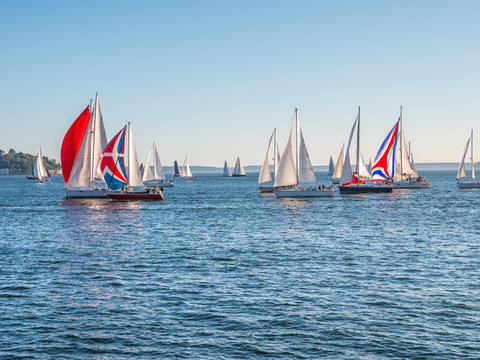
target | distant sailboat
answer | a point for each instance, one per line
(407, 176)
(176, 170)
(124, 182)
(461, 173)
(153, 174)
(185, 172)
(226, 170)
(352, 183)
(297, 169)
(39, 170)
(331, 167)
(337, 171)
(82, 148)
(238, 170)
(265, 176)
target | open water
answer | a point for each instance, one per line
(217, 271)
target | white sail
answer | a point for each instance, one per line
(238, 168)
(99, 141)
(153, 167)
(286, 173)
(186, 172)
(337, 172)
(265, 175)
(305, 169)
(405, 161)
(412, 165)
(461, 173)
(41, 172)
(226, 170)
(362, 169)
(277, 157)
(134, 178)
(397, 176)
(471, 157)
(147, 171)
(347, 175)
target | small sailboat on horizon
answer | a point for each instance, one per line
(265, 177)
(185, 172)
(226, 170)
(331, 167)
(238, 170)
(295, 170)
(153, 174)
(461, 173)
(40, 172)
(124, 182)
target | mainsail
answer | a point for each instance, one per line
(305, 169)
(265, 175)
(39, 170)
(337, 172)
(186, 172)
(347, 176)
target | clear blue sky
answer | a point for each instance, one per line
(213, 78)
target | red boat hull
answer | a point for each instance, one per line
(136, 196)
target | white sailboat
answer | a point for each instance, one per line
(265, 181)
(337, 171)
(185, 172)
(153, 174)
(295, 170)
(352, 183)
(238, 170)
(81, 151)
(39, 170)
(461, 173)
(407, 177)
(226, 170)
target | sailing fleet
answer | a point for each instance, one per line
(92, 167)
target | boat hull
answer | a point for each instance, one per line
(265, 188)
(166, 184)
(411, 185)
(303, 193)
(85, 193)
(363, 189)
(188, 178)
(469, 185)
(234, 175)
(136, 196)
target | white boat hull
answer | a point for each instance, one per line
(85, 193)
(469, 185)
(303, 193)
(165, 184)
(265, 188)
(405, 184)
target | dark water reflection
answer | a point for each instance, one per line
(219, 271)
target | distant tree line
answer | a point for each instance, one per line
(20, 163)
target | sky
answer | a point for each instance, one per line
(213, 78)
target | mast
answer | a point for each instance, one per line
(358, 143)
(296, 144)
(92, 134)
(471, 156)
(401, 142)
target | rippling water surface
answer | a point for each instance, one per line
(219, 271)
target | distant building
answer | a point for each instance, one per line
(5, 171)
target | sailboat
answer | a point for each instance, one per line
(82, 148)
(337, 171)
(352, 183)
(124, 182)
(185, 172)
(407, 177)
(296, 170)
(331, 167)
(153, 174)
(226, 170)
(265, 177)
(176, 170)
(238, 170)
(461, 173)
(39, 170)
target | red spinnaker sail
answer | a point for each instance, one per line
(72, 142)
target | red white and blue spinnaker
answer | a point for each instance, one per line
(384, 165)
(112, 164)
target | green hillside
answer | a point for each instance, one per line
(20, 163)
